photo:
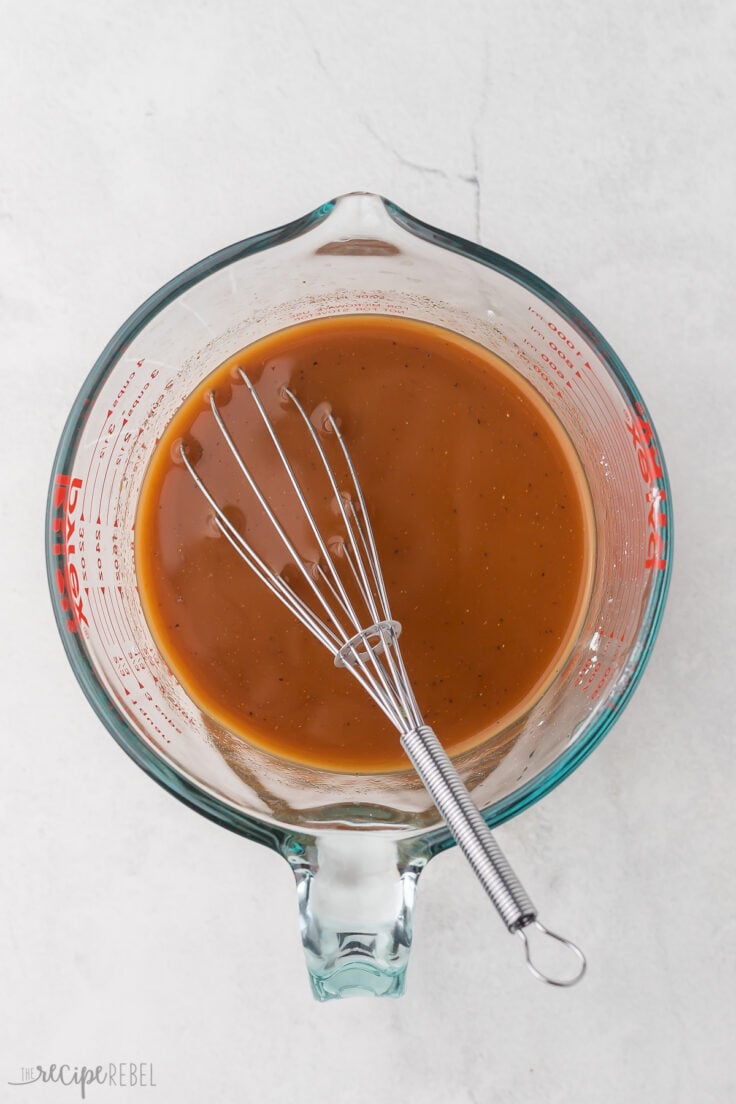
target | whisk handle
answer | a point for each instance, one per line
(470, 831)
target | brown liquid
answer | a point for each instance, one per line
(480, 513)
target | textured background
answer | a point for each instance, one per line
(592, 143)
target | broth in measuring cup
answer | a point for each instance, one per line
(480, 512)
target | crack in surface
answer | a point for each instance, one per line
(471, 178)
(431, 169)
(295, 10)
(478, 118)
(318, 59)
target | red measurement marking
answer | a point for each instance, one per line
(94, 459)
(124, 386)
(144, 660)
(106, 617)
(114, 608)
(116, 615)
(98, 620)
(152, 722)
(559, 340)
(110, 455)
(125, 668)
(594, 677)
(109, 634)
(99, 594)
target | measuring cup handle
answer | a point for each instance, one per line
(356, 894)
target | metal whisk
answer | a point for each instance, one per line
(349, 614)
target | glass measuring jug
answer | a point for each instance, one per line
(357, 844)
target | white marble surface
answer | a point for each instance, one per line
(592, 142)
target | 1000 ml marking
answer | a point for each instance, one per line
(561, 345)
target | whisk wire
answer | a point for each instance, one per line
(366, 580)
(397, 686)
(368, 539)
(278, 528)
(293, 479)
(373, 679)
(410, 711)
(363, 584)
(276, 584)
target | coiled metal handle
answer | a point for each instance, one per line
(475, 840)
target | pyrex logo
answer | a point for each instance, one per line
(63, 527)
(650, 466)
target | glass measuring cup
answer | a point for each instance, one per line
(356, 844)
